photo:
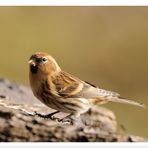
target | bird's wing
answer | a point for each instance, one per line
(91, 91)
(67, 85)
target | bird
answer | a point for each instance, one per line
(65, 92)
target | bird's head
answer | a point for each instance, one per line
(43, 63)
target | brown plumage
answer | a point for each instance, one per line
(64, 92)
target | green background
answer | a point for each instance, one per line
(107, 46)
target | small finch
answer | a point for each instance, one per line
(64, 92)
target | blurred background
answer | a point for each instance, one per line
(107, 46)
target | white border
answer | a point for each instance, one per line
(74, 145)
(74, 2)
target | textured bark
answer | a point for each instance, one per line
(18, 122)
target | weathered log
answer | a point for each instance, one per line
(19, 123)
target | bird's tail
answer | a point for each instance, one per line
(125, 101)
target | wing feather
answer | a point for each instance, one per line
(67, 85)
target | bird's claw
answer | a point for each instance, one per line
(49, 116)
(65, 120)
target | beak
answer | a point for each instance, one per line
(31, 62)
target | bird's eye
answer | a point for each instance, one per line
(44, 59)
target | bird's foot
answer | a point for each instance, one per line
(72, 120)
(67, 119)
(48, 116)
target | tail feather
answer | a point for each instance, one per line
(125, 101)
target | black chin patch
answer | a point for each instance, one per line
(33, 69)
